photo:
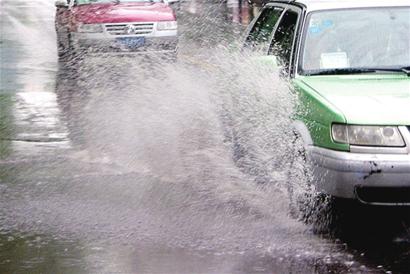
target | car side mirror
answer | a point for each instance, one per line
(61, 4)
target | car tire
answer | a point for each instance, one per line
(320, 210)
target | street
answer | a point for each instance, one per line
(122, 165)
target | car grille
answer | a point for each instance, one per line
(130, 29)
(384, 195)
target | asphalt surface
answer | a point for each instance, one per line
(121, 164)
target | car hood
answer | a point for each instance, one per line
(367, 98)
(121, 13)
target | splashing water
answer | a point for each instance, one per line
(170, 125)
(153, 157)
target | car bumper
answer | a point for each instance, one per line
(101, 43)
(370, 178)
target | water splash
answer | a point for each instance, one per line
(153, 158)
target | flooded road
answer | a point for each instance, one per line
(122, 164)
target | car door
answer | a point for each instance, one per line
(260, 32)
(284, 41)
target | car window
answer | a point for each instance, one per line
(283, 39)
(357, 38)
(261, 32)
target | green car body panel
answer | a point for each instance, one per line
(337, 86)
(362, 99)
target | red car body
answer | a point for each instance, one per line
(117, 26)
(123, 13)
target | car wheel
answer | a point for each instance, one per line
(312, 207)
(299, 180)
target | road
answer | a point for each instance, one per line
(122, 166)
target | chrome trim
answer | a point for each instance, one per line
(123, 29)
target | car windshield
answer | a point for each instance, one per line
(371, 38)
(85, 2)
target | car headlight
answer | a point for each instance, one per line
(388, 136)
(90, 28)
(167, 25)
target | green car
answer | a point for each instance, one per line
(349, 62)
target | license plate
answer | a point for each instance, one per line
(131, 42)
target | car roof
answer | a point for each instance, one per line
(313, 5)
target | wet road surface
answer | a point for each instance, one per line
(122, 165)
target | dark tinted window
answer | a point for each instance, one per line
(262, 30)
(282, 41)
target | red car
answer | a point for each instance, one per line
(116, 26)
